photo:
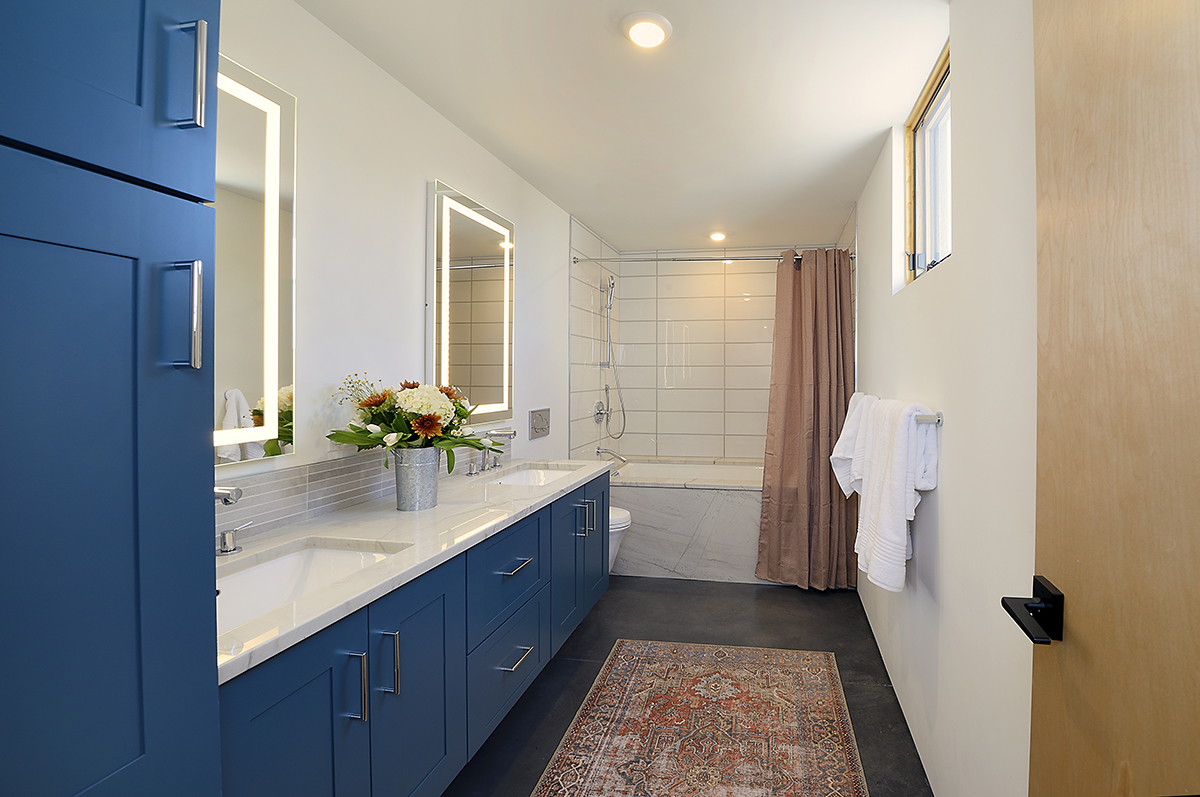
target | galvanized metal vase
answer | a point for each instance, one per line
(416, 477)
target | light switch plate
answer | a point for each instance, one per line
(539, 423)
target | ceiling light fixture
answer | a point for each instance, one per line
(718, 236)
(646, 29)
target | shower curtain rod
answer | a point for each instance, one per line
(578, 259)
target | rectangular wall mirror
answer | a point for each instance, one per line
(469, 330)
(253, 352)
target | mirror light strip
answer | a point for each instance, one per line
(270, 428)
(449, 204)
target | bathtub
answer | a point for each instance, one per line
(690, 520)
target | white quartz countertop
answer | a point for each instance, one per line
(470, 509)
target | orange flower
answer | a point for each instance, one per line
(375, 399)
(409, 385)
(451, 392)
(427, 426)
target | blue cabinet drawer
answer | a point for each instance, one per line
(500, 670)
(505, 571)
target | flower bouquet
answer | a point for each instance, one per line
(411, 415)
(287, 400)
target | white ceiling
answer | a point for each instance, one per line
(759, 118)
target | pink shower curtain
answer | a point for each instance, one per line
(807, 530)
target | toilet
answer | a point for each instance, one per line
(619, 521)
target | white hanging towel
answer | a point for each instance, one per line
(237, 416)
(898, 458)
(842, 458)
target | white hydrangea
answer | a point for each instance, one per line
(286, 398)
(426, 400)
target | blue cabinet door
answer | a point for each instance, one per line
(594, 582)
(419, 684)
(298, 723)
(108, 474)
(567, 526)
(106, 84)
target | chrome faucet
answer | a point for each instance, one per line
(228, 544)
(495, 434)
(227, 495)
(498, 434)
(600, 451)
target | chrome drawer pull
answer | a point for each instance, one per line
(365, 693)
(200, 64)
(591, 518)
(197, 313)
(519, 661)
(515, 570)
(395, 635)
(585, 524)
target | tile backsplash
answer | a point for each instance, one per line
(290, 495)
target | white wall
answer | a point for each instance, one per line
(962, 339)
(366, 149)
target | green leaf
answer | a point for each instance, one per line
(271, 448)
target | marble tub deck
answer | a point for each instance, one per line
(689, 531)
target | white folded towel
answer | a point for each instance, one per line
(898, 458)
(237, 416)
(842, 457)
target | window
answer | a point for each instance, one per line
(927, 150)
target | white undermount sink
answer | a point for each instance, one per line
(291, 574)
(534, 477)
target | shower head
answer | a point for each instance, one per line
(612, 291)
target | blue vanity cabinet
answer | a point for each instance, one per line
(595, 544)
(298, 724)
(579, 553)
(419, 677)
(107, 84)
(115, 692)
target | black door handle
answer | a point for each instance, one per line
(1040, 617)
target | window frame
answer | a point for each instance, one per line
(937, 78)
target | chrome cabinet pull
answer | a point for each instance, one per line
(512, 572)
(195, 327)
(200, 76)
(591, 518)
(395, 635)
(365, 689)
(519, 661)
(582, 506)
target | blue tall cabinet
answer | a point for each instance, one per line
(109, 684)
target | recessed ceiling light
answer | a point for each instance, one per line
(646, 29)
(507, 245)
(727, 262)
(718, 236)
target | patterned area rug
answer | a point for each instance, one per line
(673, 720)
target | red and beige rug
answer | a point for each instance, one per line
(668, 719)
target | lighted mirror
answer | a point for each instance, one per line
(470, 328)
(253, 335)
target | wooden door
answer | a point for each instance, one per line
(1116, 704)
(104, 490)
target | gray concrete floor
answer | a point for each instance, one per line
(512, 760)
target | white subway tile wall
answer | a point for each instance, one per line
(693, 349)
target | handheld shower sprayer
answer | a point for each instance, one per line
(610, 287)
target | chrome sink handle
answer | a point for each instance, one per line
(228, 542)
